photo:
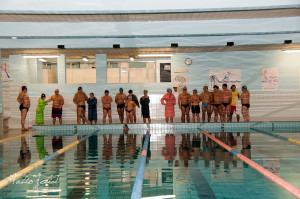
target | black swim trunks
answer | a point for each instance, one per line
(107, 109)
(196, 109)
(120, 105)
(82, 106)
(129, 111)
(217, 105)
(225, 104)
(22, 107)
(247, 105)
(185, 105)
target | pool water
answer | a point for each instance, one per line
(177, 166)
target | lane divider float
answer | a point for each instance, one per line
(35, 165)
(290, 188)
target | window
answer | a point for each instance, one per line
(80, 72)
(131, 72)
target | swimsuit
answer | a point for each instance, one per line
(232, 109)
(129, 111)
(120, 105)
(81, 106)
(22, 107)
(225, 104)
(205, 105)
(196, 109)
(185, 105)
(56, 112)
(217, 105)
(145, 107)
(107, 109)
(247, 105)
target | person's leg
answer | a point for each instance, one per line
(104, 116)
(60, 120)
(149, 120)
(230, 116)
(238, 118)
(182, 114)
(203, 113)
(109, 116)
(131, 117)
(220, 108)
(78, 115)
(120, 115)
(194, 116)
(245, 114)
(127, 117)
(53, 120)
(82, 116)
(209, 112)
(171, 119)
(198, 117)
(222, 112)
(187, 112)
(134, 115)
(144, 119)
(23, 118)
(216, 113)
(167, 119)
(228, 113)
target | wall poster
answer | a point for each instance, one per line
(269, 79)
(179, 80)
(5, 77)
(225, 76)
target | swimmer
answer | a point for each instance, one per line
(130, 107)
(106, 103)
(134, 98)
(195, 100)
(79, 99)
(206, 98)
(217, 100)
(24, 102)
(120, 100)
(245, 99)
(235, 95)
(58, 102)
(184, 101)
(145, 101)
(226, 103)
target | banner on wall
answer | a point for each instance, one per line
(5, 77)
(225, 76)
(179, 80)
(269, 79)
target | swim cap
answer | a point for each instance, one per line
(184, 88)
(146, 91)
(244, 87)
(92, 93)
(168, 89)
(43, 95)
(79, 88)
(195, 90)
(130, 91)
(121, 89)
(106, 91)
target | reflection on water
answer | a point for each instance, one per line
(104, 166)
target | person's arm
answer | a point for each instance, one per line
(230, 97)
(116, 99)
(162, 100)
(179, 98)
(49, 100)
(174, 100)
(62, 101)
(102, 100)
(20, 98)
(110, 99)
(85, 97)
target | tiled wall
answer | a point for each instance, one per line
(280, 105)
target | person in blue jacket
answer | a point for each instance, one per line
(92, 109)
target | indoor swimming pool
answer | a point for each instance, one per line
(181, 162)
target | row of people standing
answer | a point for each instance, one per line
(222, 103)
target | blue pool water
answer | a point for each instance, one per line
(178, 165)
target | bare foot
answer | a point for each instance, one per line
(25, 129)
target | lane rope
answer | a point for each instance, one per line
(138, 183)
(35, 165)
(277, 136)
(290, 188)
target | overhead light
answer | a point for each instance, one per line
(155, 55)
(291, 51)
(14, 37)
(131, 59)
(85, 59)
(160, 197)
(42, 60)
(41, 56)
